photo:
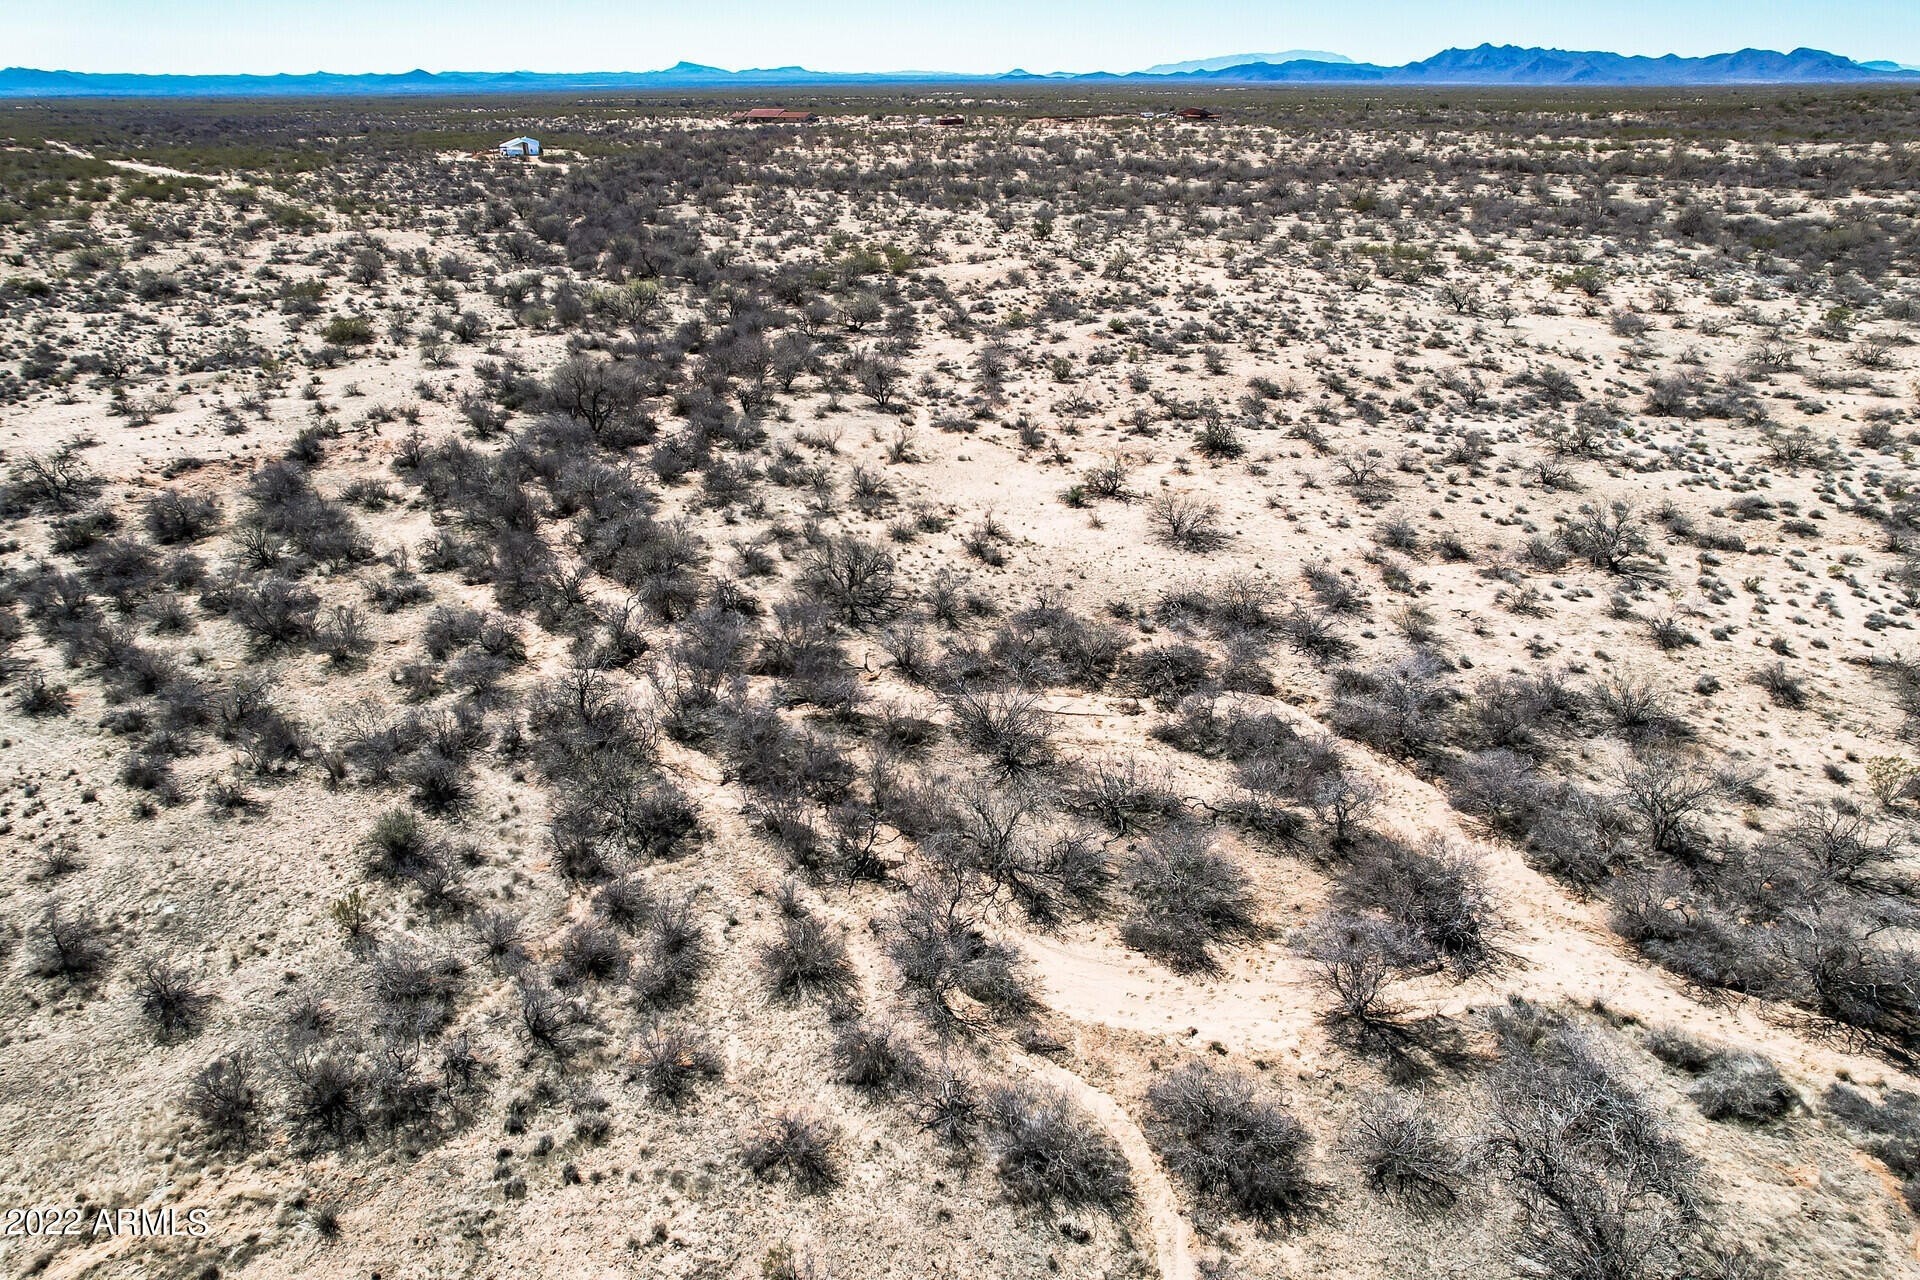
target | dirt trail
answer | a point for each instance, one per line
(1263, 1000)
(1172, 1237)
(135, 166)
(1256, 1005)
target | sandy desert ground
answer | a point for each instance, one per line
(1325, 693)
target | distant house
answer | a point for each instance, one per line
(773, 115)
(521, 148)
(1198, 113)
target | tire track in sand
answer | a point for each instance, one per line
(1172, 1237)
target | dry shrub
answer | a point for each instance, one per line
(1047, 1151)
(798, 1144)
(1231, 1142)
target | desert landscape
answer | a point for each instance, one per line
(1324, 691)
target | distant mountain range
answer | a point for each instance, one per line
(1509, 65)
(1486, 65)
(1244, 60)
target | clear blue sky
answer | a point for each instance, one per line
(200, 36)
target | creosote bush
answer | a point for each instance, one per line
(1047, 1151)
(876, 1058)
(69, 948)
(1008, 727)
(1606, 1187)
(806, 960)
(672, 1060)
(223, 1099)
(1228, 1141)
(170, 999)
(1188, 898)
(1406, 1152)
(1744, 1087)
(1186, 522)
(798, 1145)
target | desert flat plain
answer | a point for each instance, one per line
(1327, 692)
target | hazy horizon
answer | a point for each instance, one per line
(573, 36)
